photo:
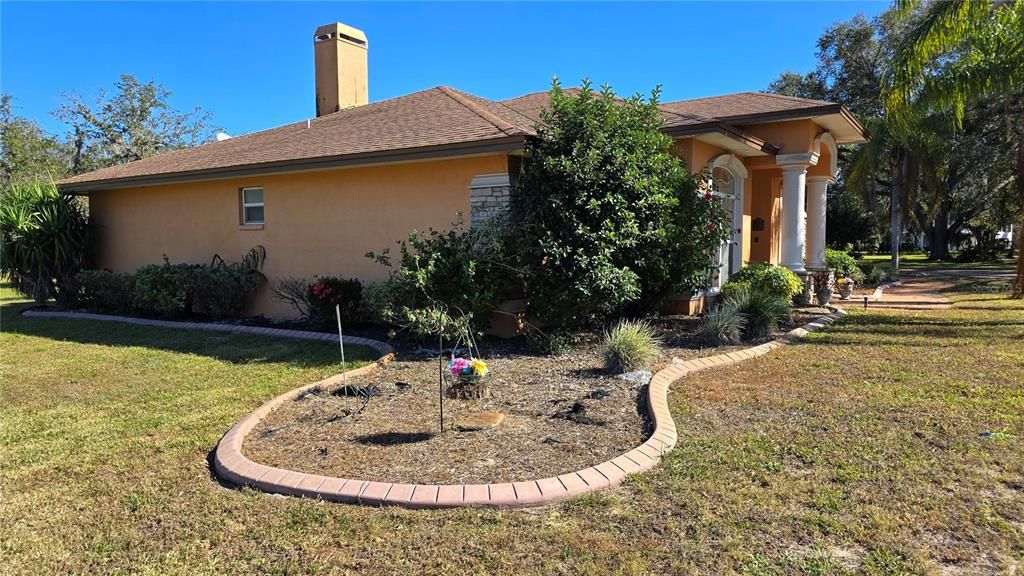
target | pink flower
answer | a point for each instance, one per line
(459, 366)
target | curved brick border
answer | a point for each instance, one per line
(231, 465)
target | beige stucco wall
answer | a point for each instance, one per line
(316, 222)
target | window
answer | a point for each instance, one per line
(723, 183)
(252, 206)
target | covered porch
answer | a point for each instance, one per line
(776, 193)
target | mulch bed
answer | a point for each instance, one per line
(561, 414)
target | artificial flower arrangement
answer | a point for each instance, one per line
(470, 367)
(845, 285)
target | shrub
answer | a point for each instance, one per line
(729, 289)
(326, 292)
(103, 291)
(43, 239)
(844, 264)
(224, 289)
(769, 279)
(762, 311)
(166, 290)
(443, 280)
(224, 292)
(723, 325)
(607, 217)
(630, 345)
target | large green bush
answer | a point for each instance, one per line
(224, 289)
(166, 290)
(769, 279)
(43, 239)
(103, 291)
(443, 281)
(607, 218)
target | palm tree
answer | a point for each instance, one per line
(953, 53)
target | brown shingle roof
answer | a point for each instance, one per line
(743, 105)
(434, 117)
(437, 119)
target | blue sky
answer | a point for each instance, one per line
(251, 64)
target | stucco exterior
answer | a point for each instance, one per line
(316, 223)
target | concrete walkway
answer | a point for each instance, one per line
(913, 294)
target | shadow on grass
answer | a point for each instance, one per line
(224, 346)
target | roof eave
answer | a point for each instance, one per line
(802, 113)
(479, 147)
(719, 127)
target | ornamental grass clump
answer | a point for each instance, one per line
(630, 345)
(763, 312)
(723, 325)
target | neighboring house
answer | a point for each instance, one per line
(320, 193)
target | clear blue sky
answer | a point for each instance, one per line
(251, 64)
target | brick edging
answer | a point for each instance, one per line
(231, 465)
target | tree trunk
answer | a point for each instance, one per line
(1018, 285)
(940, 236)
(895, 211)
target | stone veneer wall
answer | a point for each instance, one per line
(490, 195)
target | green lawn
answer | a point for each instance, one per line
(920, 261)
(861, 450)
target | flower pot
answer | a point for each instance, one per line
(824, 296)
(845, 291)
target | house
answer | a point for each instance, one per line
(320, 193)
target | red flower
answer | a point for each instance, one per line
(708, 196)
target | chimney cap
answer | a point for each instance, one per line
(339, 31)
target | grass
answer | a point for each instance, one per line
(920, 261)
(861, 450)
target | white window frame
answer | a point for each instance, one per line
(245, 219)
(739, 173)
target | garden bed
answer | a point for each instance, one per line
(561, 414)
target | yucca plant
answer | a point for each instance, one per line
(43, 238)
(723, 325)
(630, 345)
(762, 311)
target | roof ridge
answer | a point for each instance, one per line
(788, 97)
(480, 111)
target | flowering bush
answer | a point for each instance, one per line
(326, 292)
(468, 367)
(315, 301)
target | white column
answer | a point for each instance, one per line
(794, 182)
(817, 193)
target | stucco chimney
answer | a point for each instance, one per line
(341, 78)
